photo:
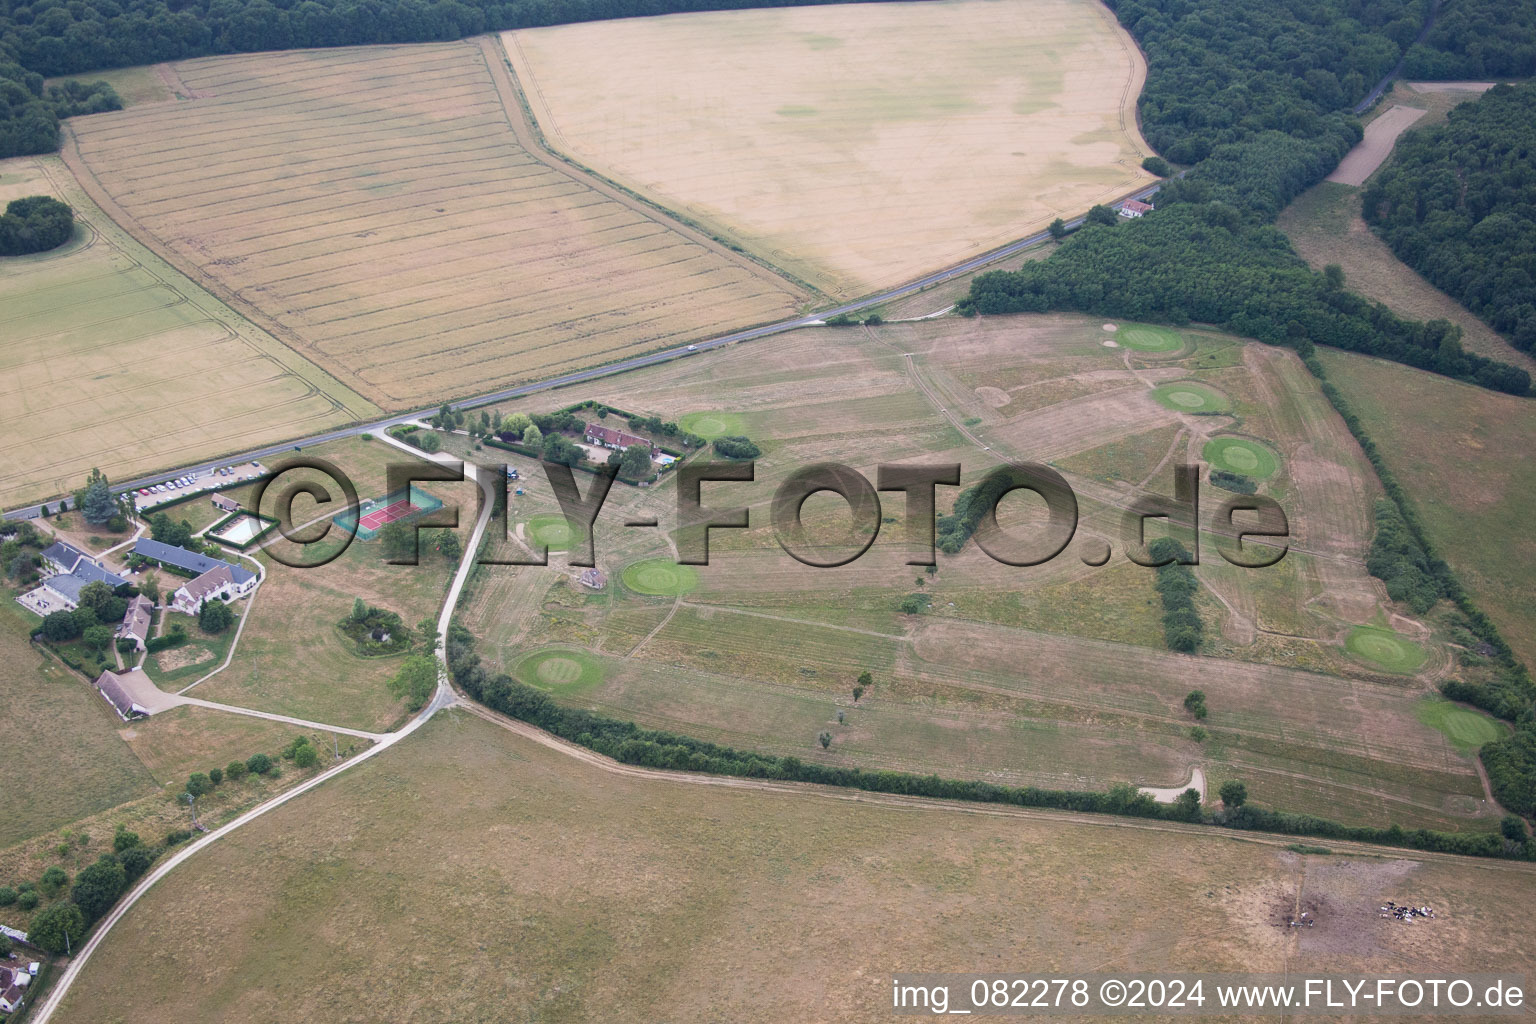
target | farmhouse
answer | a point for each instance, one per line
(66, 586)
(1135, 208)
(63, 557)
(225, 503)
(219, 582)
(594, 578)
(117, 694)
(136, 623)
(618, 440)
(13, 985)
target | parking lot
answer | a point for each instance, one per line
(187, 485)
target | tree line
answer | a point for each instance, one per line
(1260, 125)
(30, 113)
(1457, 203)
(631, 744)
(1176, 586)
(1508, 692)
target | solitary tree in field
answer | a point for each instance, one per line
(826, 740)
(1058, 229)
(858, 691)
(1234, 794)
(359, 609)
(865, 679)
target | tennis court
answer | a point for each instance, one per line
(374, 515)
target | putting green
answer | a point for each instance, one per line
(1239, 455)
(1186, 396)
(1466, 729)
(559, 670)
(710, 425)
(1143, 338)
(660, 577)
(554, 532)
(1391, 651)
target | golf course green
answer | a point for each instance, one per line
(559, 670)
(1187, 396)
(660, 577)
(710, 425)
(1242, 456)
(1145, 338)
(1385, 649)
(554, 532)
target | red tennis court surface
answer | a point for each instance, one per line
(388, 514)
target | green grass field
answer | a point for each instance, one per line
(1147, 338)
(660, 577)
(1466, 728)
(1240, 455)
(1383, 647)
(710, 425)
(1188, 396)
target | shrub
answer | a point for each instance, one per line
(27, 899)
(177, 836)
(235, 771)
(259, 764)
(215, 775)
(7, 896)
(1156, 165)
(737, 447)
(98, 886)
(53, 880)
(136, 860)
(124, 840)
(57, 929)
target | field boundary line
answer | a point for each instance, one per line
(528, 135)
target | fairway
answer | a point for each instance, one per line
(374, 207)
(852, 145)
(561, 671)
(660, 577)
(554, 532)
(1242, 456)
(1144, 338)
(1186, 396)
(1385, 648)
(109, 357)
(710, 425)
(1465, 728)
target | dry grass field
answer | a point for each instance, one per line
(469, 874)
(63, 757)
(109, 357)
(375, 208)
(1325, 226)
(763, 652)
(855, 145)
(1462, 452)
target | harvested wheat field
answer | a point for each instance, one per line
(853, 145)
(555, 889)
(110, 357)
(375, 207)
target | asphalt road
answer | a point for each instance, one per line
(650, 359)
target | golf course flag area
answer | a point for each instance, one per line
(1191, 397)
(660, 577)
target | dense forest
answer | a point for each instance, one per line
(1458, 204)
(29, 113)
(1209, 252)
(1477, 39)
(57, 38)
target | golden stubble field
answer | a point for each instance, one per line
(853, 145)
(110, 357)
(472, 875)
(375, 209)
